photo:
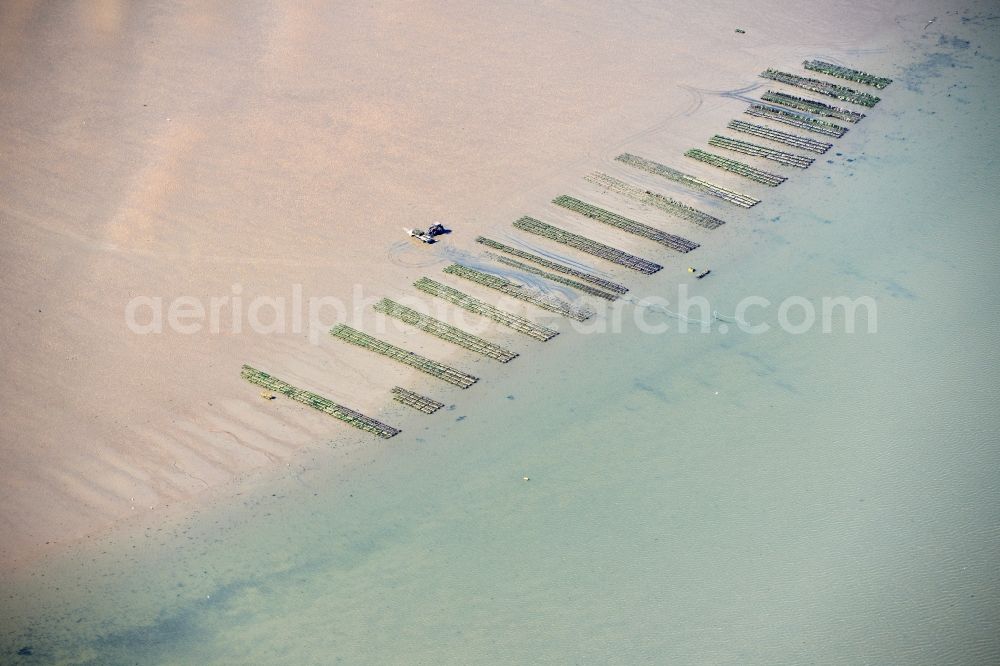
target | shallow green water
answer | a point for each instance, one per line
(695, 498)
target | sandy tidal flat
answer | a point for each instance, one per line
(186, 150)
